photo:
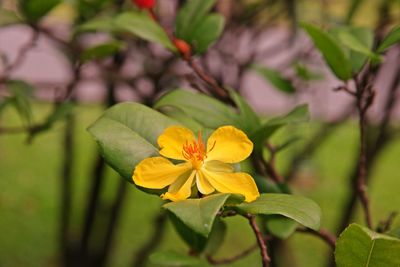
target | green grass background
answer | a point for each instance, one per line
(30, 187)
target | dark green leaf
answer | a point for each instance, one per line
(275, 78)
(216, 237)
(143, 26)
(280, 226)
(174, 259)
(354, 7)
(395, 232)
(247, 115)
(204, 109)
(358, 246)
(207, 32)
(8, 17)
(104, 24)
(333, 54)
(300, 209)
(21, 94)
(198, 214)
(34, 10)
(61, 111)
(391, 38)
(127, 133)
(297, 115)
(306, 74)
(180, 116)
(190, 16)
(101, 51)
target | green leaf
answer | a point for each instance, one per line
(365, 36)
(351, 41)
(300, 209)
(104, 24)
(8, 17)
(299, 114)
(280, 226)
(207, 32)
(143, 26)
(390, 39)
(34, 10)
(306, 74)
(198, 214)
(275, 78)
(180, 116)
(190, 16)
(204, 109)
(21, 93)
(351, 11)
(358, 246)
(127, 133)
(247, 115)
(61, 111)
(394, 232)
(171, 259)
(101, 51)
(216, 237)
(333, 54)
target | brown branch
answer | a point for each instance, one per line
(234, 258)
(323, 234)
(260, 240)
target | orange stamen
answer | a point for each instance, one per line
(195, 151)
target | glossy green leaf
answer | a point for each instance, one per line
(190, 16)
(142, 25)
(390, 39)
(127, 133)
(204, 109)
(275, 78)
(301, 209)
(280, 226)
(207, 32)
(101, 51)
(175, 259)
(358, 246)
(180, 116)
(103, 24)
(264, 132)
(216, 237)
(34, 10)
(8, 17)
(333, 54)
(351, 41)
(248, 117)
(198, 214)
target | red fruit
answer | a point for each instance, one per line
(183, 47)
(145, 3)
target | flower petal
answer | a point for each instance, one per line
(203, 185)
(158, 172)
(171, 141)
(237, 183)
(181, 189)
(228, 144)
(218, 166)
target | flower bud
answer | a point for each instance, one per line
(183, 47)
(145, 3)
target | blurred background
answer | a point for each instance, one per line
(61, 205)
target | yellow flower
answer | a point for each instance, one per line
(209, 167)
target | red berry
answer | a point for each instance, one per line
(145, 3)
(183, 47)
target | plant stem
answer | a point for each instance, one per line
(260, 240)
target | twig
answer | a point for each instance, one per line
(260, 240)
(326, 236)
(233, 258)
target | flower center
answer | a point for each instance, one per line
(195, 151)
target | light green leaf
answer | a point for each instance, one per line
(172, 259)
(299, 114)
(275, 78)
(306, 74)
(190, 16)
(101, 51)
(127, 133)
(391, 38)
(333, 54)
(180, 116)
(21, 93)
(8, 17)
(248, 117)
(207, 32)
(358, 246)
(204, 109)
(280, 226)
(143, 26)
(352, 42)
(300, 209)
(34, 10)
(103, 24)
(394, 232)
(198, 214)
